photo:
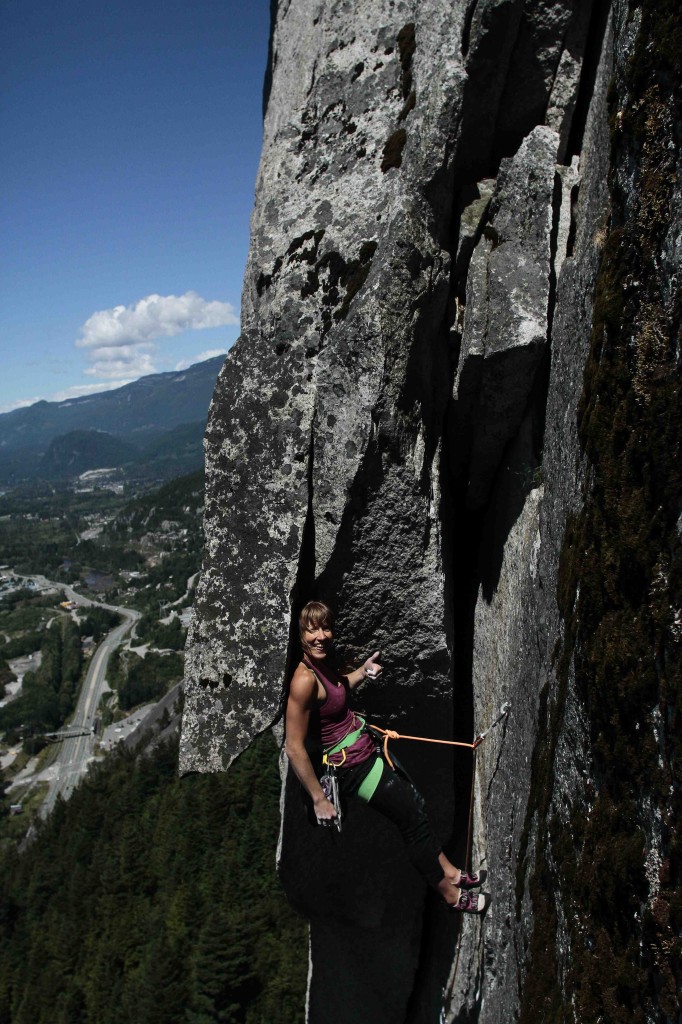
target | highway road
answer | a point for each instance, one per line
(75, 752)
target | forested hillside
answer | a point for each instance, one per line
(147, 899)
(161, 416)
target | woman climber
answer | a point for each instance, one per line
(361, 772)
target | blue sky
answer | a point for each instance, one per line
(131, 135)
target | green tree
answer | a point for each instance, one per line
(152, 898)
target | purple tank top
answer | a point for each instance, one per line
(337, 720)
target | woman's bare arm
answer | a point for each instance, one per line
(302, 694)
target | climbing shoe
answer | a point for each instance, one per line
(467, 881)
(471, 902)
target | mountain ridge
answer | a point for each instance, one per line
(139, 413)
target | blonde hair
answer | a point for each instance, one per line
(314, 615)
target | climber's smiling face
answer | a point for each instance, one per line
(316, 628)
(316, 639)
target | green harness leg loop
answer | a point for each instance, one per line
(368, 786)
(370, 782)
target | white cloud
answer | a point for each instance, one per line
(127, 361)
(155, 316)
(209, 353)
(120, 341)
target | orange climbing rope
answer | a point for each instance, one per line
(391, 734)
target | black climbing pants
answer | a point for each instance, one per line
(398, 799)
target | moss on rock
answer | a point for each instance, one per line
(620, 581)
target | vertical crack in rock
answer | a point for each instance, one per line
(267, 80)
(542, 82)
(305, 575)
(466, 28)
(492, 31)
(598, 14)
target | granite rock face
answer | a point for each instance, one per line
(506, 313)
(396, 432)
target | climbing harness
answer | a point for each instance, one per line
(340, 748)
(329, 781)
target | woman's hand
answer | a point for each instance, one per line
(324, 810)
(369, 669)
(372, 668)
